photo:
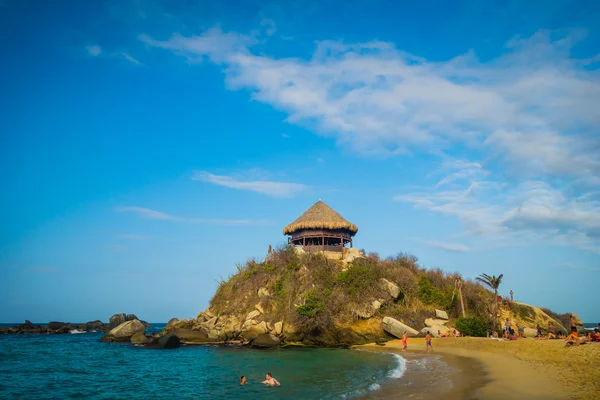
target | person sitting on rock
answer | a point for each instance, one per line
(440, 334)
(270, 381)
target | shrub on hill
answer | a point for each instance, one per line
(478, 327)
(318, 294)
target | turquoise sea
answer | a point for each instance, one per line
(80, 366)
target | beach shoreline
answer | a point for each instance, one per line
(527, 368)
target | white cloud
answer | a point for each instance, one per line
(451, 247)
(130, 58)
(94, 50)
(146, 213)
(530, 115)
(214, 44)
(269, 188)
(159, 215)
(578, 267)
(97, 51)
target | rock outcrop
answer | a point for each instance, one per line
(138, 338)
(441, 314)
(397, 328)
(265, 340)
(392, 289)
(124, 331)
(164, 342)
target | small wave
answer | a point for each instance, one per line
(400, 368)
(374, 387)
(77, 331)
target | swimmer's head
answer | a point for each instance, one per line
(269, 375)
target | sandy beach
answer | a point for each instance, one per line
(522, 369)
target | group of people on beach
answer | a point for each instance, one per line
(428, 346)
(269, 380)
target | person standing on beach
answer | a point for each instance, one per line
(404, 341)
(511, 295)
(573, 323)
(428, 345)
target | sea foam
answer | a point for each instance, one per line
(400, 368)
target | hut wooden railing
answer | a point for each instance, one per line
(310, 249)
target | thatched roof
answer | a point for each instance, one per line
(320, 216)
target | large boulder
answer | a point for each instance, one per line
(139, 338)
(391, 288)
(54, 326)
(435, 330)
(171, 323)
(124, 332)
(441, 314)
(266, 340)
(96, 325)
(230, 326)
(368, 310)
(435, 321)
(278, 328)
(164, 342)
(397, 328)
(251, 331)
(189, 336)
(252, 315)
(131, 317)
(116, 320)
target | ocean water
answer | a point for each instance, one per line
(79, 365)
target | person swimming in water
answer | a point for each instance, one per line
(243, 380)
(270, 381)
(428, 345)
(404, 341)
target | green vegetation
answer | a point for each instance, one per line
(312, 291)
(478, 327)
(314, 304)
(434, 295)
(357, 278)
(493, 282)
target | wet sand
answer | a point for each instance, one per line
(526, 368)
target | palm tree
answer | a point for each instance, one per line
(493, 282)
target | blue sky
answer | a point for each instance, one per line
(146, 146)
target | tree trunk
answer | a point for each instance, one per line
(462, 305)
(495, 322)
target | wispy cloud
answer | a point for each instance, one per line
(451, 247)
(269, 188)
(94, 50)
(158, 215)
(133, 236)
(146, 213)
(578, 267)
(527, 120)
(97, 51)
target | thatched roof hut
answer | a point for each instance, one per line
(321, 226)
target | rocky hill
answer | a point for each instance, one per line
(306, 298)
